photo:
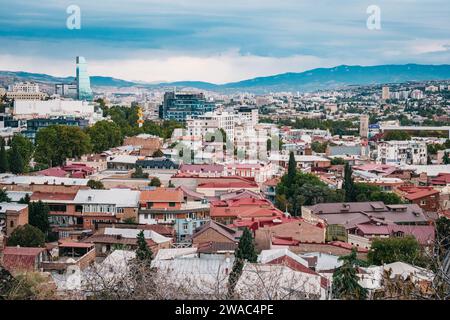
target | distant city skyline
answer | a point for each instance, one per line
(177, 40)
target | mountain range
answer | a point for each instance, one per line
(321, 78)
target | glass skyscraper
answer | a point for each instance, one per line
(84, 91)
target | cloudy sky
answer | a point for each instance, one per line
(218, 41)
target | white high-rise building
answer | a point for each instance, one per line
(385, 94)
(210, 122)
(402, 152)
(417, 94)
(29, 87)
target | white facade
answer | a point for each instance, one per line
(402, 152)
(30, 108)
(417, 94)
(210, 122)
(29, 87)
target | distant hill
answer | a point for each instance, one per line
(321, 78)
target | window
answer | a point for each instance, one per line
(11, 224)
(171, 204)
(146, 216)
(149, 205)
(423, 202)
(185, 226)
(119, 210)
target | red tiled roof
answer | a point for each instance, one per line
(220, 228)
(70, 244)
(37, 195)
(53, 172)
(114, 239)
(201, 168)
(231, 184)
(20, 258)
(442, 178)
(284, 241)
(162, 195)
(414, 193)
(272, 182)
(348, 246)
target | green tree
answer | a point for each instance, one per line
(143, 251)
(104, 135)
(129, 220)
(3, 157)
(56, 143)
(38, 213)
(139, 174)
(305, 189)
(292, 168)
(25, 200)
(155, 182)
(397, 135)
(4, 196)
(446, 158)
(94, 184)
(349, 186)
(25, 148)
(345, 279)
(16, 164)
(388, 250)
(337, 161)
(244, 252)
(365, 192)
(319, 147)
(158, 154)
(27, 236)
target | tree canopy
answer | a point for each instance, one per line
(155, 182)
(388, 250)
(27, 236)
(397, 135)
(56, 143)
(345, 279)
(305, 189)
(94, 184)
(38, 213)
(104, 135)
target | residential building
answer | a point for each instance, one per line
(209, 123)
(67, 90)
(34, 125)
(364, 126)
(179, 105)
(12, 215)
(385, 94)
(214, 232)
(20, 259)
(425, 197)
(106, 205)
(106, 239)
(148, 143)
(402, 152)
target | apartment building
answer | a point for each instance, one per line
(402, 152)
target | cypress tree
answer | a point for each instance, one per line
(16, 162)
(244, 252)
(349, 185)
(292, 168)
(3, 157)
(143, 252)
